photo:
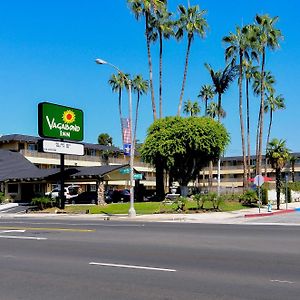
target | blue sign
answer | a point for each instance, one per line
(127, 149)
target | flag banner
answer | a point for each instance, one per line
(126, 131)
(127, 149)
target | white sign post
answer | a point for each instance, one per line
(258, 181)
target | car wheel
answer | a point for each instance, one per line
(73, 202)
(93, 201)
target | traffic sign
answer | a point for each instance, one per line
(259, 180)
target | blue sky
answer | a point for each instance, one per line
(47, 52)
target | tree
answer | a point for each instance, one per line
(117, 83)
(105, 139)
(161, 21)
(140, 87)
(249, 71)
(213, 111)
(206, 93)
(239, 45)
(269, 81)
(267, 37)
(278, 154)
(191, 22)
(184, 145)
(221, 81)
(191, 108)
(293, 160)
(272, 104)
(145, 8)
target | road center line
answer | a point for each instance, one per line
(281, 281)
(132, 267)
(22, 237)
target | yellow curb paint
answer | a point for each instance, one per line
(46, 229)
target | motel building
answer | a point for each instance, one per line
(26, 172)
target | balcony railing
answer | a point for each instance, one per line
(88, 158)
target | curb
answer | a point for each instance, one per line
(285, 211)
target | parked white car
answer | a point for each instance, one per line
(69, 191)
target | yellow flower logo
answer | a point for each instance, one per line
(68, 116)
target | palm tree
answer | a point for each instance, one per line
(267, 37)
(213, 111)
(140, 86)
(187, 108)
(117, 83)
(249, 71)
(293, 160)
(145, 8)
(221, 82)
(269, 81)
(192, 22)
(165, 29)
(206, 93)
(191, 108)
(239, 45)
(272, 104)
(278, 154)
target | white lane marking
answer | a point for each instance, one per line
(132, 267)
(281, 281)
(13, 230)
(22, 237)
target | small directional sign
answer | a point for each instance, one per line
(125, 171)
(137, 176)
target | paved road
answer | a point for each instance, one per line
(65, 259)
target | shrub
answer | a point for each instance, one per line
(43, 202)
(248, 197)
(1, 197)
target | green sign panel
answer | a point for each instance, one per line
(138, 176)
(60, 122)
(125, 171)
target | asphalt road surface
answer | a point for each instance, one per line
(72, 259)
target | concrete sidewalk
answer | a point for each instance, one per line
(232, 217)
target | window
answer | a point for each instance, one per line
(32, 147)
(12, 188)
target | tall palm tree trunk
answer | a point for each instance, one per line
(184, 75)
(242, 121)
(150, 67)
(136, 119)
(248, 128)
(206, 100)
(219, 105)
(268, 139)
(262, 94)
(160, 73)
(120, 113)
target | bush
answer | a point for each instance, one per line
(248, 197)
(43, 202)
(1, 197)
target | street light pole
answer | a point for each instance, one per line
(131, 212)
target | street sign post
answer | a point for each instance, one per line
(258, 181)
